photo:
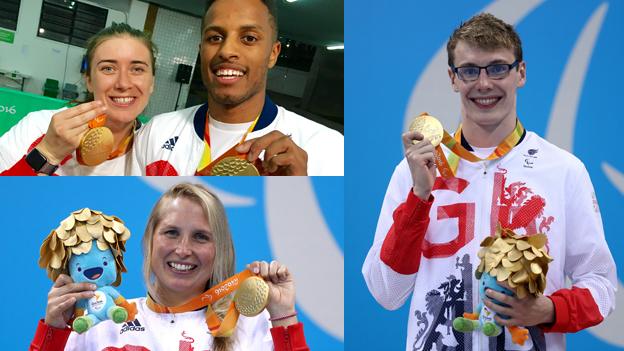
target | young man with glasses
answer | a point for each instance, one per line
(430, 227)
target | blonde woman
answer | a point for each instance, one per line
(187, 250)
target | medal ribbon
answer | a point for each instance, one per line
(206, 158)
(448, 167)
(216, 326)
(125, 144)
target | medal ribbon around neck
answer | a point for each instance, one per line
(206, 159)
(125, 144)
(448, 167)
(216, 326)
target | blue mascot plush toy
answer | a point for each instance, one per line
(517, 262)
(89, 246)
(484, 319)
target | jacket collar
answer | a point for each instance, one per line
(267, 116)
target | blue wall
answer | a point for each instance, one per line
(390, 45)
(33, 207)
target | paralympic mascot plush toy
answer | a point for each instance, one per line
(520, 263)
(89, 246)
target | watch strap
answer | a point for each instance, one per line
(39, 162)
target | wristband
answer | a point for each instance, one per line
(282, 318)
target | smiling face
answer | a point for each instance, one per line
(96, 266)
(487, 102)
(183, 252)
(121, 76)
(236, 51)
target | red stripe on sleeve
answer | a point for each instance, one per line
(402, 247)
(290, 338)
(575, 309)
(21, 168)
(48, 338)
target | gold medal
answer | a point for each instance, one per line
(234, 166)
(252, 296)
(95, 146)
(429, 127)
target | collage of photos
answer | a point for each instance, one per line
(162, 96)
(175, 175)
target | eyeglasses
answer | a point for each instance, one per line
(494, 71)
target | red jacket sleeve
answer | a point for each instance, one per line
(48, 338)
(575, 309)
(21, 168)
(402, 247)
(289, 338)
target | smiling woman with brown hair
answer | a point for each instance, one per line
(120, 76)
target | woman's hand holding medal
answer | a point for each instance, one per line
(66, 130)
(281, 290)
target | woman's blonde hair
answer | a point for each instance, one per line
(224, 264)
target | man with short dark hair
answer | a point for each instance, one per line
(239, 45)
(435, 214)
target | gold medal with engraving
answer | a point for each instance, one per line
(234, 166)
(95, 146)
(429, 127)
(252, 296)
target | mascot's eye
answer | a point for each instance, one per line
(105, 263)
(79, 269)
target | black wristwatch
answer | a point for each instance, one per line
(39, 163)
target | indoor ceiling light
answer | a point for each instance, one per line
(335, 47)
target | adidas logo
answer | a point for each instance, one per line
(132, 326)
(170, 144)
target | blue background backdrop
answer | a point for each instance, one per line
(390, 44)
(31, 209)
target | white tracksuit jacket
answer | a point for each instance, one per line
(536, 187)
(173, 143)
(25, 135)
(151, 331)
